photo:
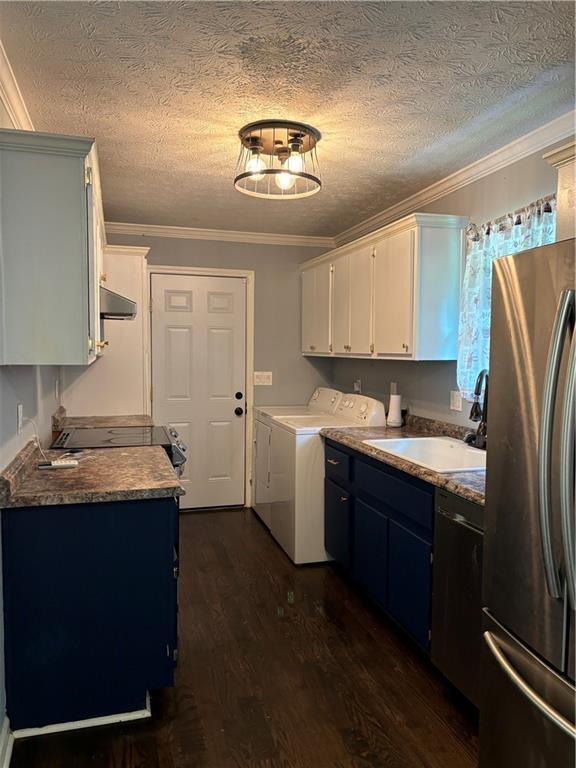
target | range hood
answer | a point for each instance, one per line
(116, 307)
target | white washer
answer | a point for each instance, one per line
(322, 400)
(289, 472)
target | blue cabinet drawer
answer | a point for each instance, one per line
(337, 465)
(404, 497)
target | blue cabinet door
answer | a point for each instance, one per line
(371, 551)
(409, 582)
(337, 523)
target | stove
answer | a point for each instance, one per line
(77, 438)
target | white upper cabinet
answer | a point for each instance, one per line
(352, 303)
(316, 293)
(395, 293)
(51, 234)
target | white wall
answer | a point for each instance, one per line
(277, 306)
(426, 386)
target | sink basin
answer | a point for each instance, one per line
(442, 454)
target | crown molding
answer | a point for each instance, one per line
(222, 235)
(11, 96)
(428, 220)
(126, 250)
(557, 130)
(561, 156)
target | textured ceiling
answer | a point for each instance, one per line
(403, 93)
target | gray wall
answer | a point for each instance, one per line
(276, 306)
(34, 388)
(425, 386)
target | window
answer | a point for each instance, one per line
(530, 227)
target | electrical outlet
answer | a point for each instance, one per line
(358, 386)
(455, 400)
(19, 418)
(262, 378)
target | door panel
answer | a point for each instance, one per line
(322, 301)
(361, 264)
(341, 305)
(525, 293)
(198, 364)
(309, 310)
(394, 295)
(409, 572)
(337, 524)
(513, 730)
(371, 550)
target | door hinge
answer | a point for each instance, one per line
(87, 176)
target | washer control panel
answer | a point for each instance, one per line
(366, 411)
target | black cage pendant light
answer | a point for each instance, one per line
(278, 160)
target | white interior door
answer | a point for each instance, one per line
(199, 379)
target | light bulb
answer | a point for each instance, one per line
(253, 166)
(285, 180)
(295, 163)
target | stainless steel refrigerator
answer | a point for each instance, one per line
(527, 674)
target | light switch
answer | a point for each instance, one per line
(262, 378)
(455, 400)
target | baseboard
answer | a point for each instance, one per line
(92, 722)
(6, 743)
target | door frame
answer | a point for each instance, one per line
(248, 275)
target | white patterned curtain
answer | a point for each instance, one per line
(529, 227)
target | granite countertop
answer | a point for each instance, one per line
(60, 420)
(468, 485)
(113, 474)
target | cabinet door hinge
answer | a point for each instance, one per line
(429, 635)
(175, 572)
(329, 347)
(175, 655)
(87, 176)
(372, 348)
(151, 393)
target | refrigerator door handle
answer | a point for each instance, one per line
(555, 717)
(561, 322)
(567, 473)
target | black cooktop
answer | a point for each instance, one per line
(113, 437)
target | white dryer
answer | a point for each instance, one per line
(289, 472)
(322, 400)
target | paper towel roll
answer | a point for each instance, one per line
(394, 418)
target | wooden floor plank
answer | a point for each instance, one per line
(279, 667)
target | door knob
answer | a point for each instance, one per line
(239, 411)
(238, 395)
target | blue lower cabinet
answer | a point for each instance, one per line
(409, 581)
(337, 523)
(89, 608)
(371, 551)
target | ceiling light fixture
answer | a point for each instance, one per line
(278, 160)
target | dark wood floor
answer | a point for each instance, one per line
(280, 667)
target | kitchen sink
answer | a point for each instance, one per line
(441, 454)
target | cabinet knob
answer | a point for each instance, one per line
(102, 344)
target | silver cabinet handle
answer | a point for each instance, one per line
(567, 473)
(333, 462)
(343, 498)
(554, 717)
(561, 321)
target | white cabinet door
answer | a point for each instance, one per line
(341, 305)
(361, 263)
(394, 294)
(261, 470)
(316, 310)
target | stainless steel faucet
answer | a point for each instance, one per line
(479, 413)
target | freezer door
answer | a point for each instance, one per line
(526, 711)
(528, 290)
